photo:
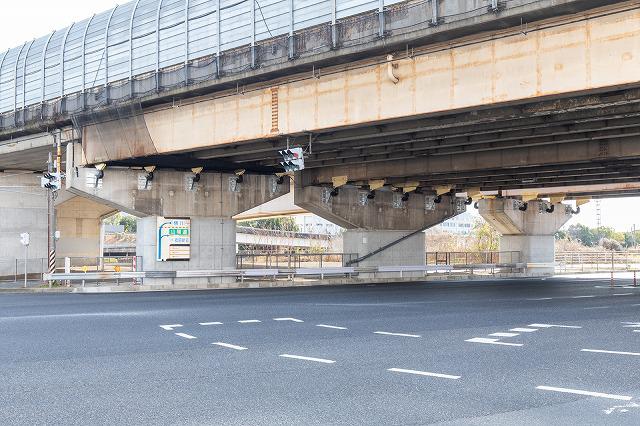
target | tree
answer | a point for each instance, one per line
(484, 237)
(129, 222)
(610, 244)
(275, 223)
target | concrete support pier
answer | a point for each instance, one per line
(212, 245)
(410, 252)
(374, 220)
(528, 228)
(185, 218)
(23, 208)
(79, 221)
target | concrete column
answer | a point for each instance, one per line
(23, 208)
(213, 247)
(375, 222)
(410, 252)
(79, 221)
(210, 200)
(528, 228)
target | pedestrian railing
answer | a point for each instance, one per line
(597, 261)
(265, 259)
(472, 257)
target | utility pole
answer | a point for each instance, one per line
(54, 168)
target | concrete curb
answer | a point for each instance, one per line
(277, 284)
(37, 290)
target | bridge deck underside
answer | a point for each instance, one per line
(493, 135)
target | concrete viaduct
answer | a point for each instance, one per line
(408, 112)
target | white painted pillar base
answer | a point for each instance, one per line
(537, 251)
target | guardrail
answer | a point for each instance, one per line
(284, 273)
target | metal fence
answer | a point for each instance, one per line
(472, 257)
(149, 46)
(13, 269)
(261, 260)
(597, 261)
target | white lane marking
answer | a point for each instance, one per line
(586, 393)
(170, 327)
(636, 331)
(248, 321)
(288, 319)
(504, 334)
(230, 346)
(335, 327)
(306, 358)
(524, 330)
(424, 373)
(491, 341)
(622, 294)
(598, 307)
(542, 298)
(386, 333)
(601, 351)
(210, 323)
(583, 297)
(186, 336)
(631, 324)
(553, 326)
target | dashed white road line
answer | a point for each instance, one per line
(248, 321)
(542, 298)
(523, 330)
(583, 297)
(306, 358)
(288, 319)
(504, 334)
(622, 294)
(602, 351)
(553, 326)
(491, 341)
(424, 373)
(586, 393)
(210, 323)
(230, 346)
(597, 307)
(170, 327)
(386, 333)
(335, 327)
(186, 336)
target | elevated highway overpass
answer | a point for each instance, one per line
(405, 111)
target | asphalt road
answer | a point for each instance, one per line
(371, 354)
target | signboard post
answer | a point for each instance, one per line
(24, 240)
(174, 239)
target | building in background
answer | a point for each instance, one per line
(459, 225)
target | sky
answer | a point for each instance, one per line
(28, 19)
(25, 20)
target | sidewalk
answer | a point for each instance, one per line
(33, 286)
